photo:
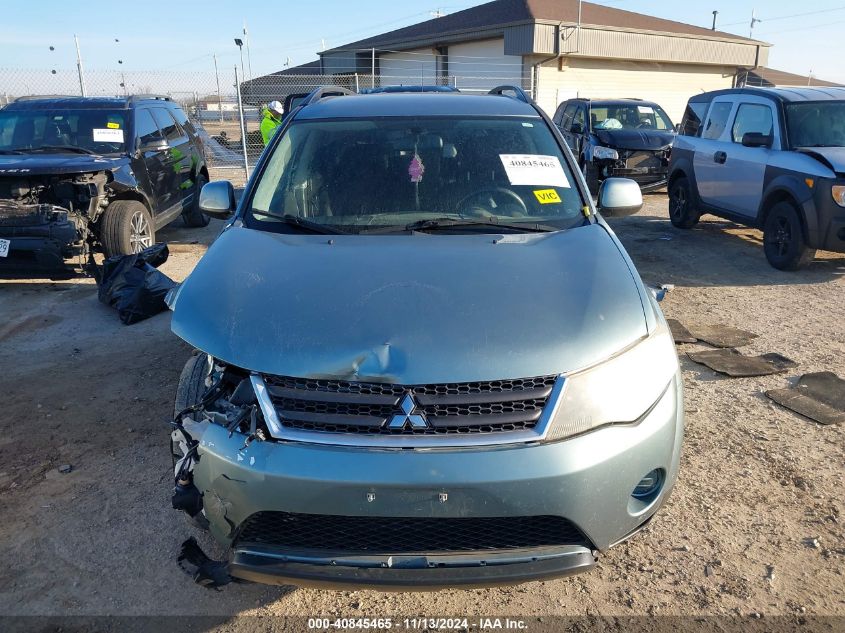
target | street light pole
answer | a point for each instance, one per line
(79, 67)
(240, 44)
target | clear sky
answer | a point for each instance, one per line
(170, 35)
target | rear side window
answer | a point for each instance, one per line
(559, 114)
(717, 120)
(181, 118)
(752, 117)
(693, 116)
(146, 129)
(567, 116)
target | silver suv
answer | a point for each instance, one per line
(771, 158)
(424, 359)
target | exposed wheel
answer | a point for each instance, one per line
(191, 386)
(682, 213)
(194, 217)
(126, 228)
(591, 176)
(783, 238)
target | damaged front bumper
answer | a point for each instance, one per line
(586, 480)
(40, 235)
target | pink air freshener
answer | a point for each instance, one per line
(416, 169)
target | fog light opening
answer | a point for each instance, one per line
(649, 484)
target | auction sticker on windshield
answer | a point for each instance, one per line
(4, 247)
(105, 135)
(534, 170)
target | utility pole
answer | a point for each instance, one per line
(754, 21)
(79, 67)
(219, 97)
(715, 13)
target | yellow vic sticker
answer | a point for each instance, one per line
(547, 196)
(112, 125)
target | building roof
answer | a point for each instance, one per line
(311, 68)
(770, 77)
(507, 12)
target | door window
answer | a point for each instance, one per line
(566, 122)
(168, 126)
(578, 118)
(717, 120)
(559, 114)
(146, 130)
(752, 117)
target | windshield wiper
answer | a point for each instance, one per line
(60, 148)
(448, 223)
(10, 151)
(295, 220)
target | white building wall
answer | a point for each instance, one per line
(483, 65)
(669, 85)
(408, 67)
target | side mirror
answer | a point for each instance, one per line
(619, 197)
(756, 139)
(576, 128)
(154, 146)
(217, 199)
(677, 128)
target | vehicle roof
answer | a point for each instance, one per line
(402, 104)
(624, 101)
(785, 95)
(81, 103)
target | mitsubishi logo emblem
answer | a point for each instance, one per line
(407, 419)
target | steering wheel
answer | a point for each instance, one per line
(645, 124)
(486, 198)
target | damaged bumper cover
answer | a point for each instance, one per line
(40, 234)
(577, 480)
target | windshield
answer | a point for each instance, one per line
(629, 117)
(97, 131)
(818, 124)
(370, 175)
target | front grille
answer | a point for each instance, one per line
(362, 408)
(393, 535)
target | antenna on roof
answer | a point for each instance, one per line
(754, 21)
(437, 13)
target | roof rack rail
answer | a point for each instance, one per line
(34, 97)
(325, 91)
(519, 93)
(144, 97)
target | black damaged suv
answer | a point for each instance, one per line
(83, 174)
(627, 138)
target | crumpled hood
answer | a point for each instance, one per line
(635, 139)
(411, 309)
(833, 157)
(38, 164)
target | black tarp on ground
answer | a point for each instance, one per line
(132, 285)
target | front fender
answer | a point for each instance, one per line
(793, 186)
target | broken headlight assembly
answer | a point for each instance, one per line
(620, 390)
(227, 399)
(605, 153)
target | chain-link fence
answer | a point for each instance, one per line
(228, 120)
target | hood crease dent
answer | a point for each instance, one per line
(411, 309)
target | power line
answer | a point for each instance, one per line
(786, 17)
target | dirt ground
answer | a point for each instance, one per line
(756, 523)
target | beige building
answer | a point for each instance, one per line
(558, 49)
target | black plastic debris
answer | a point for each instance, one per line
(732, 363)
(132, 285)
(209, 573)
(679, 332)
(819, 396)
(720, 335)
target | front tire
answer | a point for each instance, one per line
(194, 217)
(591, 176)
(682, 214)
(783, 238)
(126, 228)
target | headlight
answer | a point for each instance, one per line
(605, 153)
(838, 192)
(618, 391)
